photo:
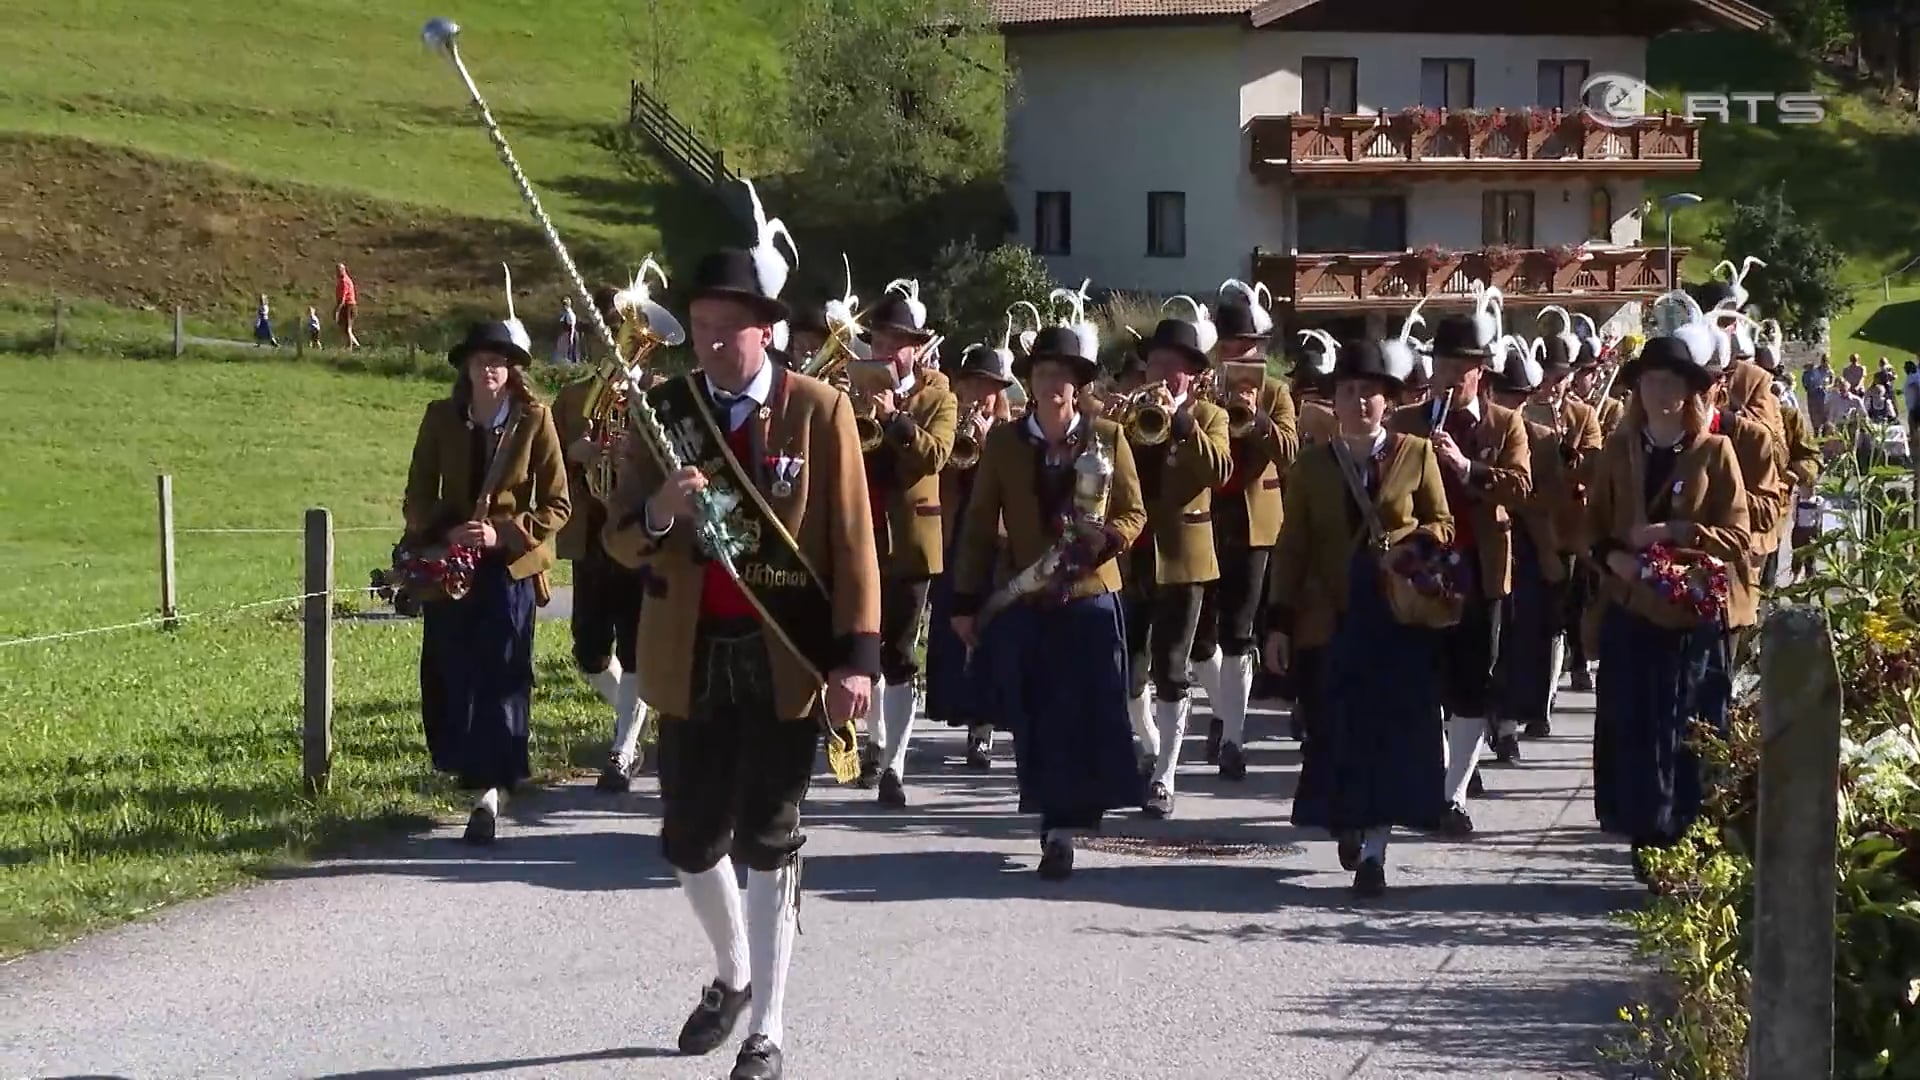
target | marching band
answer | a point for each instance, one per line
(1471, 516)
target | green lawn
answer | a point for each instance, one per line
(144, 767)
(341, 94)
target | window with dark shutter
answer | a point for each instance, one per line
(1053, 222)
(1167, 224)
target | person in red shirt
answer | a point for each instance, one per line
(346, 301)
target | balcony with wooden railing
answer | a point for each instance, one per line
(1498, 142)
(1356, 282)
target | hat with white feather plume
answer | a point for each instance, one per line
(1245, 311)
(1319, 355)
(1404, 351)
(1366, 359)
(1074, 340)
(1562, 347)
(1205, 334)
(1686, 342)
(506, 338)
(900, 311)
(1472, 337)
(753, 277)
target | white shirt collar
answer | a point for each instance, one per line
(1471, 408)
(906, 385)
(759, 388)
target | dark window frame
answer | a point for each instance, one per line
(1385, 223)
(1157, 246)
(1043, 242)
(1446, 82)
(1326, 83)
(1569, 97)
(1497, 215)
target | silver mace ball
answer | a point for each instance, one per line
(440, 33)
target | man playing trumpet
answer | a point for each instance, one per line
(1246, 524)
(1181, 449)
(913, 413)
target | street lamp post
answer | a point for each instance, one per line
(1671, 203)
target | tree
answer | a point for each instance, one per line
(970, 290)
(895, 118)
(1800, 285)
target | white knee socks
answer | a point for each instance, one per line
(607, 683)
(1171, 717)
(1206, 675)
(1141, 713)
(628, 713)
(1556, 666)
(897, 706)
(1236, 685)
(877, 721)
(1373, 843)
(1465, 736)
(715, 896)
(772, 918)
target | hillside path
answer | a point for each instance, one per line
(930, 949)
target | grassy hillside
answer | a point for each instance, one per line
(142, 766)
(275, 141)
(1853, 173)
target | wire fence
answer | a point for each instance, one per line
(179, 617)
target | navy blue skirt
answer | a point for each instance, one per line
(1057, 678)
(476, 679)
(1527, 627)
(1653, 684)
(951, 696)
(1377, 756)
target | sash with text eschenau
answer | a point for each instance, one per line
(793, 601)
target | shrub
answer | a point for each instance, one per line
(969, 290)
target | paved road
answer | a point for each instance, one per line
(929, 949)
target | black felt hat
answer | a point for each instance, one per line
(1669, 354)
(1365, 359)
(1459, 336)
(986, 362)
(1063, 344)
(1239, 320)
(898, 314)
(1180, 336)
(731, 274)
(493, 336)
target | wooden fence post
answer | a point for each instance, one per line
(179, 331)
(59, 322)
(316, 733)
(1790, 1036)
(169, 602)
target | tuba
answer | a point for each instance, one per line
(644, 328)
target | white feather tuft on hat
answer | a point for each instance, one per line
(1738, 326)
(1403, 351)
(1329, 352)
(909, 289)
(515, 327)
(1736, 277)
(770, 267)
(1208, 333)
(1677, 315)
(1253, 294)
(1026, 336)
(1082, 327)
(1569, 340)
(1584, 322)
(1488, 305)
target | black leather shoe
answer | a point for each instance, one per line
(1216, 730)
(892, 791)
(759, 1060)
(1369, 880)
(1349, 851)
(614, 779)
(1476, 787)
(1455, 822)
(1233, 763)
(1506, 749)
(978, 756)
(1539, 729)
(480, 826)
(712, 1020)
(869, 768)
(1583, 681)
(1056, 860)
(1159, 802)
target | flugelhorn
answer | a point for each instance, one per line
(721, 541)
(968, 437)
(1147, 422)
(867, 378)
(1238, 376)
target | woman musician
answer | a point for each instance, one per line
(980, 382)
(1376, 758)
(487, 474)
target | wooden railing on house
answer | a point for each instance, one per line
(1435, 140)
(1386, 279)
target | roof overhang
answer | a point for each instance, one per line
(1647, 17)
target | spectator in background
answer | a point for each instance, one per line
(1816, 381)
(313, 328)
(1883, 376)
(1855, 375)
(1879, 404)
(346, 302)
(263, 325)
(1911, 392)
(567, 349)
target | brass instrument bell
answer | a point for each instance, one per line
(1147, 422)
(967, 440)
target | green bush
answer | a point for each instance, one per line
(969, 290)
(1697, 927)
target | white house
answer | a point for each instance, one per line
(1355, 155)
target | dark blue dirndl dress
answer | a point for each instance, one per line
(1056, 676)
(1653, 683)
(476, 679)
(1527, 631)
(1377, 756)
(951, 697)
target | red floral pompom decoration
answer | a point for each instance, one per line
(1434, 571)
(1696, 581)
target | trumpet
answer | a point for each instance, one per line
(1147, 422)
(968, 438)
(1240, 376)
(865, 379)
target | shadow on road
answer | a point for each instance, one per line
(475, 1068)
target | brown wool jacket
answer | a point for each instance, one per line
(1317, 423)
(1004, 498)
(1611, 411)
(826, 513)
(530, 504)
(1580, 433)
(1803, 454)
(1307, 586)
(1707, 505)
(1499, 479)
(1268, 452)
(918, 441)
(1198, 457)
(1543, 509)
(589, 517)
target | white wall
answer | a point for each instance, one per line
(1110, 115)
(1505, 69)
